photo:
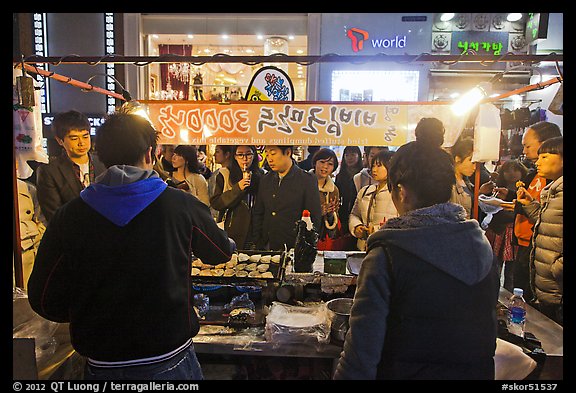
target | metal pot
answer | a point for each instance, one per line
(339, 310)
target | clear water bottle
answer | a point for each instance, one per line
(517, 312)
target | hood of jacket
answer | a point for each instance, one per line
(329, 186)
(366, 172)
(442, 236)
(122, 192)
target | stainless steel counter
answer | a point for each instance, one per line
(548, 332)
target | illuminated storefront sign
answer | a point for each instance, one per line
(479, 42)
(94, 119)
(359, 36)
(536, 27)
(290, 123)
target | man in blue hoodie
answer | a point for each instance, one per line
(427, 291)
(115, 263)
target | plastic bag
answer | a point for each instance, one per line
(242, 311)
(487, 134)
(305, 248)
(297, 324)
(27, 130)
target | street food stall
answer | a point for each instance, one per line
(257, 304)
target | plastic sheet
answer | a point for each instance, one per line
(28, 324)
(297, 324)
(510, 362)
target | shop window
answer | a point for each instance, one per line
(375, 85)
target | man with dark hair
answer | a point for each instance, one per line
(430, 130)
(284, 192)
(115, 263)
(62, 179)
(424, 306)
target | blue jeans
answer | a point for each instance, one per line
(184, 366)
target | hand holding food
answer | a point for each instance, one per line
(487, 187)
(244, 183)
(522, 196)
(361, 231)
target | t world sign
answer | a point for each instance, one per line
(288, 122)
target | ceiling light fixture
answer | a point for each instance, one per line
(446, 17)
(514, 17)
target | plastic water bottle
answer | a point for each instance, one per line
(517, 313)
(306, 218)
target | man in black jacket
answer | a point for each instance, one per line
(66, 175)
(284, 192)
(116, 262)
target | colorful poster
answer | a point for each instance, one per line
(270, 84)
(292, 123)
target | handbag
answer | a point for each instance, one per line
(339, 242)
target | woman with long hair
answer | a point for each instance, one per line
(186, 175)
(234, 193)
(373, 205)
(351, 164)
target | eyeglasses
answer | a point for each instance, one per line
(247, 155)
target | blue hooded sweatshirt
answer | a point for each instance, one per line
(122, 192)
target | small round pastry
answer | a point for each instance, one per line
(243, 257)
(217, 272)
(241, 273)
(229, 272)
(195, 271)
(250, 267)
(254, 274)
(267, 275)
(263, 267)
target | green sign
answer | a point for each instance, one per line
(536, 27)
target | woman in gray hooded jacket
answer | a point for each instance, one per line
(547, 256)
(426, 295)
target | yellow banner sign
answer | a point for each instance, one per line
(289, 122)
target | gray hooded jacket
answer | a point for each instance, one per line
(431, 312)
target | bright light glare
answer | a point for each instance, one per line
(513, 17)
(446, 17)
(468, 101)
(184, 135)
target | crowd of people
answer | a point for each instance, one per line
(409, 209)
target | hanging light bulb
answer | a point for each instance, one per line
(133, 107)
(472, 98)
